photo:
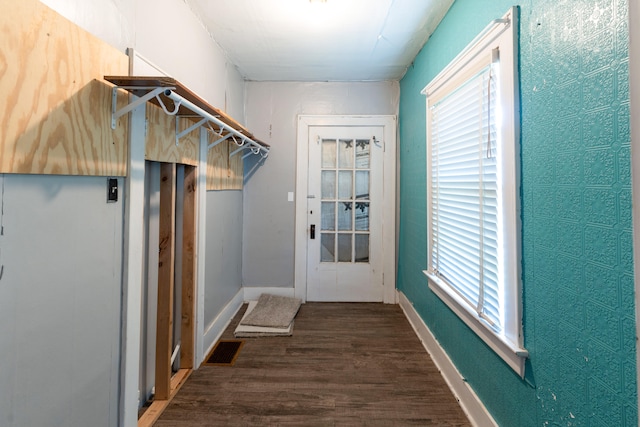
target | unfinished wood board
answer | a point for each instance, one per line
(154, 411)
(161, 139)
(166, 268)
(224, 173)
(55, 111)
(187, 332)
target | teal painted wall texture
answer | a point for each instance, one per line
(579, 323)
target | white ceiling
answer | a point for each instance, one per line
(336, 40)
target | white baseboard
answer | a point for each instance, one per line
(253, 293)
(215, 329)
(469, 401)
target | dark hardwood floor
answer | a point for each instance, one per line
(347, 364)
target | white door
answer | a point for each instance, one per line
(344, 214)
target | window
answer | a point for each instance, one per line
(473, 192)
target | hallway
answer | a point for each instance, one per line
(346, 364)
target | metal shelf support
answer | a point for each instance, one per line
(116, 114)
(257, 148)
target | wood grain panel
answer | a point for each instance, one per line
(187, 331)
(347, 364)
(161, 139)
(55, 109)
(166, 268)
(224, 173)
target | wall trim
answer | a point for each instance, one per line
(132, 270)
(253, 293)
(634, 87)
(214, 330)
(464, 394)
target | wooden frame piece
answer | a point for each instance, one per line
(166, 264)
(189, 242)
(166, 385)
(156, 409)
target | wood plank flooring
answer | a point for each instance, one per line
(347, 364)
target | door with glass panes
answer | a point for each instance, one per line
(344, 214)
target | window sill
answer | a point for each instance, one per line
(512, 354)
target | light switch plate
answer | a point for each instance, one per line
(112, 190)
(290, 196)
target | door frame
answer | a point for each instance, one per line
(389, 125)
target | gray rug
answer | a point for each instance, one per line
(245, 331)
(272, 311)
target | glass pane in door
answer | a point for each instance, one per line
(345, 153)
(328, 184)
(344, 247)
(328, 153)
(327, 247)
(362, 248)
(362, 216)
(328, 215)
(362, 154)
(362, 184)
(345, 185)
(345, 213)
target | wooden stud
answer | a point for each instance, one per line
(166, 261)
(188, 267)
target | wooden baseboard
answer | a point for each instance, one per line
(469, 401)
(156, 409)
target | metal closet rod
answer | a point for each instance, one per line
(179, 100)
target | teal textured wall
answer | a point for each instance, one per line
(579, 323)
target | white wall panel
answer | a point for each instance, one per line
(61, 256)
(271, 110)
(170, 35)
(109, 20)
(224, 251)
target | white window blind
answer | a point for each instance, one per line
(464, 205)
(473, 225)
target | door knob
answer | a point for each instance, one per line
(312, 231)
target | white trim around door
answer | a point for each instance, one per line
(305, 124)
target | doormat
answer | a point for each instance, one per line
(272, 311)
(224, 353)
